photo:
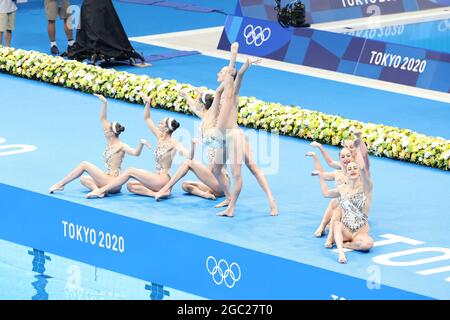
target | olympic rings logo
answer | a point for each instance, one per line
(222, 272)
(256, 35)
(444, 26)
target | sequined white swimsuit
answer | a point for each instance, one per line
(353, 217)
(213, 141)
(109, 154)
(160, 154)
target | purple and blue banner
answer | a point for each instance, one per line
(319, 11)
(348, 54)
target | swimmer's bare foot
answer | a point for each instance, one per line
(229, 212)
(224, 203)
(342, 259)
(328, 244)
(310, 154)
(162, 194)
(319, 232)
(99, 193)
(209, 196)
(273, 209)
(56, 187)
(330, 241)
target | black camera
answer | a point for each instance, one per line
(292, 15)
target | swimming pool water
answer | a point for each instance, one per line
(27, 273)
(432, 35)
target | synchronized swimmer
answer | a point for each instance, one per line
(113, 157)
(149, 183)
(346, 216)
(208, 187)
(232, 146)
(226, 143)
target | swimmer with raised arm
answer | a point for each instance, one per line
(149, 183)
(234, 145)
(340, 178)
(208, 187)
(351, 227)
(357, 147)
(113, 157)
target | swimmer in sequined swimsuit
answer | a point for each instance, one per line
(340, 178)
(208, 187)
(236, 150)
(113, 157)
(350, 227)
(215, 141)
(354, 150)
(148, 183)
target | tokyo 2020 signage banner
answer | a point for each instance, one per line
(319, 11)
(344, 53)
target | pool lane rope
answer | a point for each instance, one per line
(381, 140)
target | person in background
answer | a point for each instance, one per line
(54, 8)
(8, 10)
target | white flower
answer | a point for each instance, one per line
(151, 86)
(321, 124)
(446, 155)
(343, 125)
(163, 85)
(405, 142)
(379, 141)
(89, 77)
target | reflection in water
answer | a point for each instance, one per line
(39, 285)
(157, 291)
(39, 259)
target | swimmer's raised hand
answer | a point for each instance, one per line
(252, 61)
(144, 97)
(101, 97)
(146, 143)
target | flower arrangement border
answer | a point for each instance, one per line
(381, 140)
